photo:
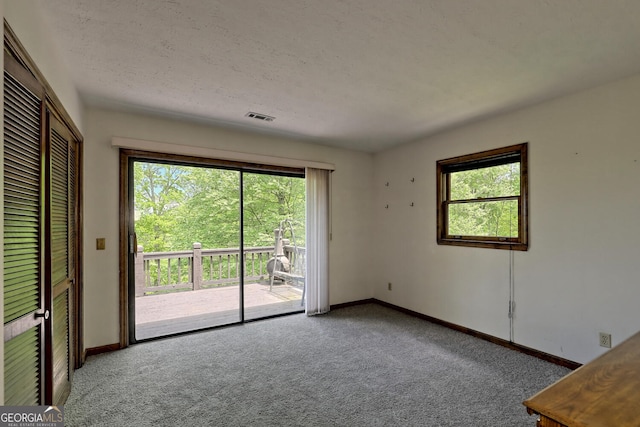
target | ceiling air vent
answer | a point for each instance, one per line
(259, 116)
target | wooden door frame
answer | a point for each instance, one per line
(124, 250)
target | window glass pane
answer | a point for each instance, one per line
(488, 219)
(494, 181)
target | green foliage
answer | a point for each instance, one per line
(485, 218)
(179, 205)
(270, 199)
(164, 272)
(158, 193)
(210, 210)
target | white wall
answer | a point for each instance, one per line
(581, 275)
(25, 19)
(350, 251)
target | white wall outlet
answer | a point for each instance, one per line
(605, 340)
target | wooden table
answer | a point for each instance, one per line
(603, 393)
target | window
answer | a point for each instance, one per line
(482, 199)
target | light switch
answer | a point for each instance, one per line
(100, 243)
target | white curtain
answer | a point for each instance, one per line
(317, 241)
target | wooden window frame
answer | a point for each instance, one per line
(479, 160)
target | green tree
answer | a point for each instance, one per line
(159, 190)
(179, 205)
(485, 218)
(268, 200)
(210, 213)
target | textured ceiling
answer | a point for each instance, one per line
(362, 74)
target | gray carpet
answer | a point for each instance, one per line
(365, 365)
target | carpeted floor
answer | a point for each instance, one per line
(365, 365)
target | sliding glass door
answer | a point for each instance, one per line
(187, 228)
(212, 246)
(273, 219)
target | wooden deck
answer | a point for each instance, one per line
(166, 314)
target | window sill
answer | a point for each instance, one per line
(489, 244)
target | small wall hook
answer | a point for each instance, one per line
(411, 204)
(413, 180)
(386, 207)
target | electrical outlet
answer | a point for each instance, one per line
(605, 340)
(389, 286)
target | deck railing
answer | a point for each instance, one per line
(161, 272)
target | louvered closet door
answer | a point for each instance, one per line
(24, 296)
(62, 201)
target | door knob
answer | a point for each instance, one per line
(44, 314)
